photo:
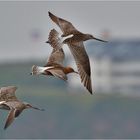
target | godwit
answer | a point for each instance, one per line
(76, 46)
(8, 101)
(54, 66)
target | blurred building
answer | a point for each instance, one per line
(115, 67)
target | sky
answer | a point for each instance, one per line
(25, 25)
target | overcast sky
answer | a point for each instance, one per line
(24, 26)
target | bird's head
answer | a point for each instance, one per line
(30, 106)
(70, 70)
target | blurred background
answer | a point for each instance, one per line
(70, 111)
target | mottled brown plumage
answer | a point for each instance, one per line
(67, 28)
(8, 101)
(82, 62)
(54, 66)
(77, 49)
(57, 56)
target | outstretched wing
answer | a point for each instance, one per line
(8, 93)
(82, 61)
(54, 39)
(10, 118)
(57, 55)
(66, 27)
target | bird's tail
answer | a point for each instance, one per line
(36, 70)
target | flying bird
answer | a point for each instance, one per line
(76, 47)
(54, 66)
(8, 101)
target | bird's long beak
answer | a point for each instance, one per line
(37, 108)
(100, 39)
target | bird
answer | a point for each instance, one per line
(54, 66)
(9, 101)
(76, 46)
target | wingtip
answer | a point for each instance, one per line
(52, 17)
(49, 13)
(5, 127)
(89, 87)
(90, 91)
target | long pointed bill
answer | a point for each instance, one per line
(38, 108)
(99, 39)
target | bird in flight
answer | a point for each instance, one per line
(54, 66)
(76, 47)
(8, 101)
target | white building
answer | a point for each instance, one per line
(114, 69)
